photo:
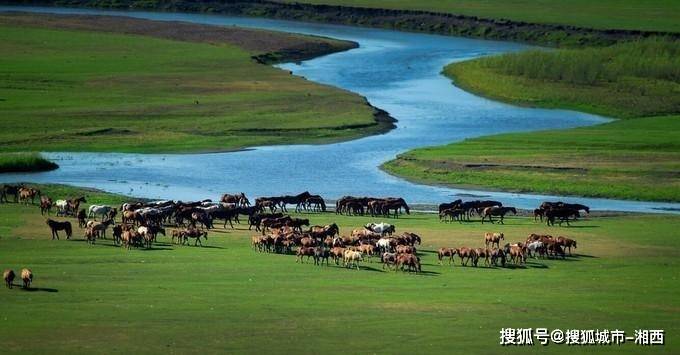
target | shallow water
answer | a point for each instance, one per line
(396, 71)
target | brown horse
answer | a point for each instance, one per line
(567, 243)
(45, 205)
(239, 199)
(26, 193)
(466, 254)
(493, 238)
(56, 226)
(482, 253)
(446, 253)
(409, 260)
(337, 254)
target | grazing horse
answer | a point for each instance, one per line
(26, 193)
(451, 214)
(497, 254)
(297, 200)
(567, 243)
(410, 260)
(8, 275)
(321, 254)
(8, 190)
(239, 200)
(446, 253)
(100, 227)
(497, 211)
(320, 232)
(482, 253)
(447, 206)
(516, 253)
(562, 213)
(101, 210)
(317, 201)
(396, 205)
(536, 248)
(352, 257)
(337, 253)
(69, 207)
(45, 205)
(466, 254)
(82, 218)
(539, 212)
(194, 233)
(493, 238)
(56, 226)
(380, 228)
(389, 259)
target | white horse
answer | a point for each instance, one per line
(384, 244)
(101, 210)
(536, 247)
(381, 228)
(62, 207)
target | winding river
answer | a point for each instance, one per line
(396, 71)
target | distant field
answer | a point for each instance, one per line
(637, 159)
(80, 90)
(648, 15)
(227, 297)
(626, 80)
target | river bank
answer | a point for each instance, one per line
(105, 94)
(403, 20)
(636, 158)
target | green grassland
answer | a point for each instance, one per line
(79, 90)
(105, 299)
(637, 158)
(24, 162)
(648, 15)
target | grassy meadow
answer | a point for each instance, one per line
(24, 162)
(105, 299)
(648, 15)
(635, 158)
(85, 90)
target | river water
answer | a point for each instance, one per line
(396, 71)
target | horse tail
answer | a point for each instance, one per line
(68, 229)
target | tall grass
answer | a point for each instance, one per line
(24, 162)
(656, 58)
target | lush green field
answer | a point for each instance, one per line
(631, 159)
(637, 158)
(626, 80)
(72, 90)
(649, 15)
(105, 299)
(12, 162)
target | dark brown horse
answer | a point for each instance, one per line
(56, 226)
(497, 211)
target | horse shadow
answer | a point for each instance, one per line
(578, 256)
(156, 249)
(209, 246)
(370, 268)
(38, 289)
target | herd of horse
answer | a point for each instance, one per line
(536, 245)
(359, 206)
(142, 222)
(551, 212)
(323, 243)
